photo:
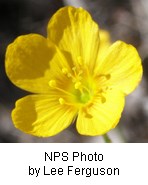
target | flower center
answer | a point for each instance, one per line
(78, 86)
(84, 97)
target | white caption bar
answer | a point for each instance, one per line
(85, 164)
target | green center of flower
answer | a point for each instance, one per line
(85, 97)
(82, 94)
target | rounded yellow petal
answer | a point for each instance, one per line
(74, 31)
(27, 63)
(101, 116)
(42, 115)
(123, 63)
(105, 42)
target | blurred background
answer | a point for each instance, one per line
(126, 20)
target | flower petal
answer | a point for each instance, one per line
(105, 42)
(27, 63)
(101, 117)
(42, 115)
(123, 63)
(73, 30)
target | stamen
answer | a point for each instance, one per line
(75, 75)
(101, 96)
(74, 68)
(86, 89)
(69, 75)
(77, 85)
(103, 99)
(52, 83)
(87, 115)
(62, 101)
(79, 89)
(90, 105)
(107, 76)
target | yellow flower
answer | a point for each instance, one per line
(75, 75)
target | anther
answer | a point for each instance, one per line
(74, 68)
(103, 99)
(87, 115)
(69, 75)
(62, 101)
(52, 83)
(65, 71)
(77, 85)
(108, 76)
